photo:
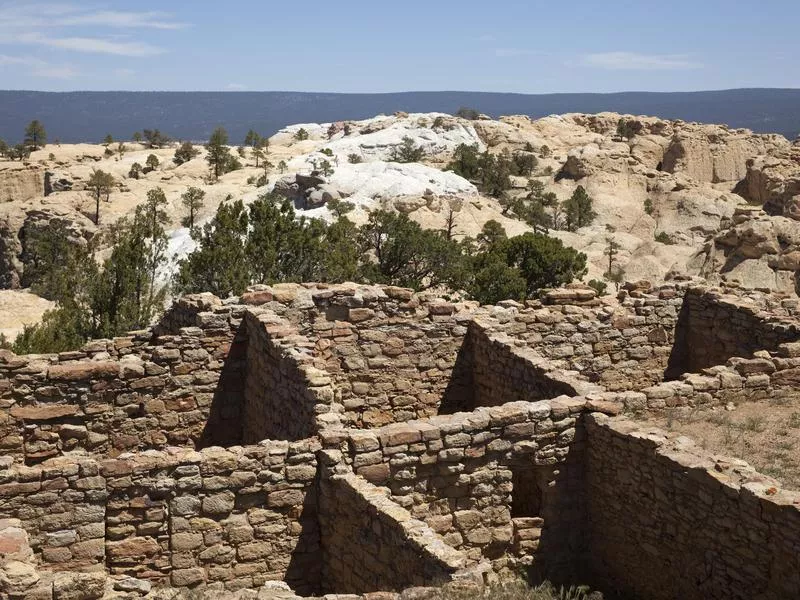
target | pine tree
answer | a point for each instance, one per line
(100, 183)
(578, 210)
(35, 135)
(219, 155)
(192, 199)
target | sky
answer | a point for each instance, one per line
(413, 45)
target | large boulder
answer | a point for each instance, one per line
(773, 180)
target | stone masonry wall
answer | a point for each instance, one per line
(668, 522)
(62, 507)
(621, 345)
(285, 394)
(241, 517)
(391, 355)
(133, 392)
(503, 372)
(371, 544)
(455, 473)
(715, 327)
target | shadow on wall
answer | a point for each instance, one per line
(224, 425)
(710, 331)
(459, 396)
(491, 372)
(679, 359)
(548, 513)
(304, 570)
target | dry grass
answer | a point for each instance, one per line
(519, 590)
(766, 434)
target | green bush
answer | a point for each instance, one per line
(664, 238)
(598, 286)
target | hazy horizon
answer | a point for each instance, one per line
(394, 92)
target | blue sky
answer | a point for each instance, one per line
(377, 46)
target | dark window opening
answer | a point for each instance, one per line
(527, 496)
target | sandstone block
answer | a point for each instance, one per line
(83, 370)
(79, 586)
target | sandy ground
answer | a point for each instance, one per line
(766, 434)
(18, 308)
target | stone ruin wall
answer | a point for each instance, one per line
(241, 516)
(621, 345)
(372, 544)
(512, 484)
(455, 472)
(132, 393)
(284, 392)
(715, 327)
(668, 521)
(391, 355)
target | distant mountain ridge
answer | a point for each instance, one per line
(90, 116)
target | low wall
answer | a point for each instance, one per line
(239, 517)
(503, 372)
(285, 394)
(764, 376)
(715, 326)
(371, 544)
(668, 522)
(456, 473)
(130, 393)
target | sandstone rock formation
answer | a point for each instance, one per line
(687, 173)
(20, 182)
(773, 181)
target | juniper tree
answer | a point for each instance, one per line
(100, 183)
(192, 199)
(578, 210)
(219, 155)
(155, 139)
(35, 135)
(184, 153)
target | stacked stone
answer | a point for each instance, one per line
(373, 544)
(454, 471)
(720, 326)
(765, 376)
(62, 506)
(286, 396)
(618, 344)
(503, 372)
(241, 517)
(391, 353)
(129, 393)
(668, 521)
